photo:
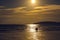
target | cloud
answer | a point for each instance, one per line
(2, 7)
(17, 3)
(21, 15)
(36, 9)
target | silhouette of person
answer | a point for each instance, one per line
(36, 29)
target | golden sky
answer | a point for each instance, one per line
(21, 15)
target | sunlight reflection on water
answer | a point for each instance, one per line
(32, 33)
(32, 27)
(28, 32)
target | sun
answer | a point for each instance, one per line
(33, 1)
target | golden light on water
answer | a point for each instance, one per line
(32, 27)
(32, 30)
(32, 33)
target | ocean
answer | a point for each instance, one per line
(28, 32)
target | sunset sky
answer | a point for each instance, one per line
(18, 12)
(17, 3)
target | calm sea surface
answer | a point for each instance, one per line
(28, 33)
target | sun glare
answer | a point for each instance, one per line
(32, 27)
(33, 1)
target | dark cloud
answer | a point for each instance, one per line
(57, 2)
(12, 3)
(16, 3)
